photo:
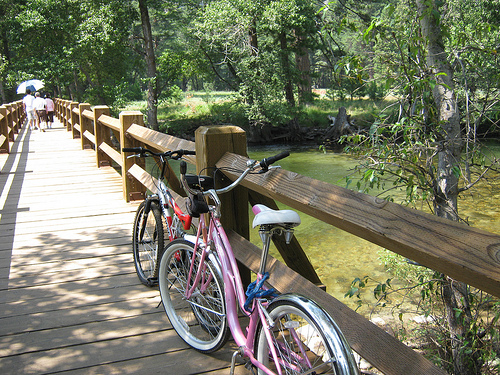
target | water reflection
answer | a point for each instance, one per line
(340, 257)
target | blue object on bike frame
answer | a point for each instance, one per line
(255, 290)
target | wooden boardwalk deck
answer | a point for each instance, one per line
(70, 301)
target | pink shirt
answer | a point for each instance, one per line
(49, 105)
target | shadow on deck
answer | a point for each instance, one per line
(70, 301)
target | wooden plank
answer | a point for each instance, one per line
(111, 152)
(89, 136)
(372, 343)
(143, 177)
(464, 253)
(160, 141)
(70, 300)
(110, 122)
(88, 114)
(64, 291)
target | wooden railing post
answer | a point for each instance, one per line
(10, 123)
(67, 116)
(102, 135)
(61, 111)
(85, 124)
(57, 108)
(4, 131)
(132, 189)
(64, 120)
(13, 117)
(19, 114)
(212, 142)
(74, 119)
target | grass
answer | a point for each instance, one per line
(208, 108)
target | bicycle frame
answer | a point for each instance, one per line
(233, 288)
(167, 200)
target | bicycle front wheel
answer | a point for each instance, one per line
(147, 242)
(199, 320)
(305, 340)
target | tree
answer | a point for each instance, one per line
(151, 73)
(79, 49)
(420, 146)
(264, 46)
(455, 293)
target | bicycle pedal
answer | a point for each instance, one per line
(152, 281)
(250, 367)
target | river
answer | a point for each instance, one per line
(340, 257)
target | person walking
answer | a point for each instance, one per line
(29, 109)
(39, 105)
(49, 107)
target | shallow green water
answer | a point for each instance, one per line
(340, 257)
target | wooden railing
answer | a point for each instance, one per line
(11, 119)
(462, 252)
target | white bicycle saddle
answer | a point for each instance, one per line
(265, 215)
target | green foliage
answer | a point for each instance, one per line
(229, 112)
(400, 162)
(259, 70)
(414, 291)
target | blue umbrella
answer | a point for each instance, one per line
(31, 84)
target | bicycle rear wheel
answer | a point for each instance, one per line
(200, 320)
(148, 246)
(305, 339)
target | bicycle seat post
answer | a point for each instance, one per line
(265, 233)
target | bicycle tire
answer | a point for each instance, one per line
(322, 341)
(147, 250)
(200, 320)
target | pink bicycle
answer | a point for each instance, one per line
(201, 291)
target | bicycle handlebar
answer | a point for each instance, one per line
(183, 168)
(142, 152)
(251, 165)
(266, 162)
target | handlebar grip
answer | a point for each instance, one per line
(188, 152)
(183, 167)
(265, 163)
(132, 149)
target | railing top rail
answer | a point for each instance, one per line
(462, 252)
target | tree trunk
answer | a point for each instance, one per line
(152, 95)
(455, 294)
(254, 52)
(341, 126)
(2, 93)
(285, 65)
(304, 66)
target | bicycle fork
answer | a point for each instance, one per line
(147, 209)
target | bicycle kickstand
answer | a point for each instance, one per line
(237, 353)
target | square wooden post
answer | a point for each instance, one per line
(67, 115)
(85, 124)
(102, 135)
(57, 108)
(10, 123)
(75, 119)
(4, 131)
(20, 114)
(132, 189)
(212, 142)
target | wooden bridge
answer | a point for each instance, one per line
(70, 300)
